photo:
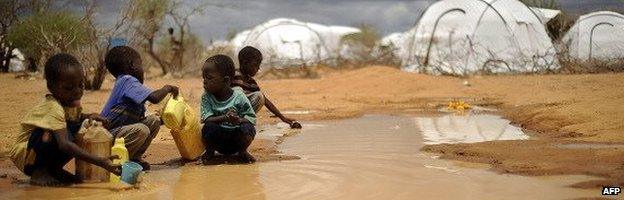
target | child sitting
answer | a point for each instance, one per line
(249, 59)
(45, 143)
(227, 114)
(125, 108)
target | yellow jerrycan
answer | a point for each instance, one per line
(188, 139)
(120, 150)
(173, 112)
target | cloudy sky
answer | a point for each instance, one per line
(387, 16)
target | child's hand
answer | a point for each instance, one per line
(295, 125)
(232, 117)
(109, 166)
(174, 90)
(292, 122)
(99, 118)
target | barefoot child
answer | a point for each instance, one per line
(125, 108)
(45, 143)
(227, 114)
(250, 59)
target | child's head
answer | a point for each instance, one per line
(124, 60)
(249, 59)
(217, 72)
(65, 79)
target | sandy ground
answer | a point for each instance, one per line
(556, 110)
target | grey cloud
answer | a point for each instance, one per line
(386, 15)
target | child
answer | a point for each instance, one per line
(45, 143)
(227, 114)
(125, 108)
(250, 59)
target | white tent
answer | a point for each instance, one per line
(239, 39)
(545, 14)
(16, 64)
(597, 35)
(287, 42)
(463, 37)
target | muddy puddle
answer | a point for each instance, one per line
(373, 157)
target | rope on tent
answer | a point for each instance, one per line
(601, 14)
(435, 27)
(591, 36)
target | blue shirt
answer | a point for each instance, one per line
(210, 106)
(127, 92)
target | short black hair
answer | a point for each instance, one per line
(120, 57)
(224, 64)
(57, 64)
(249, 53)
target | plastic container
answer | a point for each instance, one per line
(130, 172)
(173, 113)
(188, 139)
(120, 150)
(96, 140)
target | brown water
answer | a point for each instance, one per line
(374, 157)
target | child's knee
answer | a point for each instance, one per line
(152, 122)
(248, 129)
(210, 128)
(135, 132)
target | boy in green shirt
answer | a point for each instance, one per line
(228, 116)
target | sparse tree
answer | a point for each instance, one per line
(8, 16)
(360, 45)
(45, 33)
(92, 55)
(147, 19)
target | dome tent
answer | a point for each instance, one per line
(598, 35)
(462, 37)
(287, 42)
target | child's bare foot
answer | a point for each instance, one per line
(208, 157)
(246, 157)
(42, 177)
(65, 177)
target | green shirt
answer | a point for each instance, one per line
(210, 106)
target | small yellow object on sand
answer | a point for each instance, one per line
(458, 105)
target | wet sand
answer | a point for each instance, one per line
(374, 157)
(555, 109)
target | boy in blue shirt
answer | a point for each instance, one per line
(226, 112)
(125, 108)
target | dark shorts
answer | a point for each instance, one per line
(47, 153)
(228, 141)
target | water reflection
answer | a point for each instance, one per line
(467, 128)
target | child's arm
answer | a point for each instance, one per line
(247, 112)
(75, 151)
(246, 86)
(159, 95)
(292, 122)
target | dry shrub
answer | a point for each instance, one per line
(575, 66)
(310, 72)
